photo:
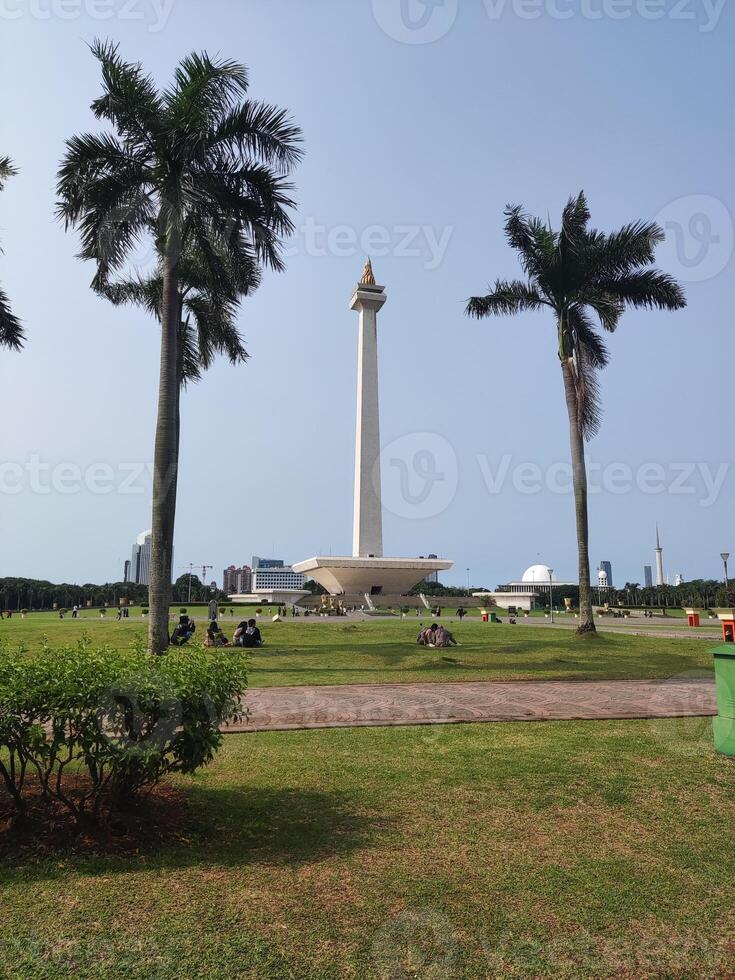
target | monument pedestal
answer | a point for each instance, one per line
(370, 576)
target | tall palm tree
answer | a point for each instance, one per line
(207, 318)
(11, 332)
(579, 273)
(193, 160)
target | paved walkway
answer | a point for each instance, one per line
(350, 705)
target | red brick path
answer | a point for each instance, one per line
(348, 705)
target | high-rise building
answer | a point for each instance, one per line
(606, 566)
(140, 561)
(236, 581)
(659, 560)
(273, 577)
(648, 576)
(126, 571)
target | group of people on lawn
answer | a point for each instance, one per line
(246, 635)
(436, 635)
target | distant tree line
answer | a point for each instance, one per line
(436, 588)
(699, 593)
(702, 593)
(32, 593)
(38, 594)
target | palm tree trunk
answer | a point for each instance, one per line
(579, 476)
(165, 459)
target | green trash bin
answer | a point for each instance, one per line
(723, 724)
(493, 617)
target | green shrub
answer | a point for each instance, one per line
(123, 719)
(144, 611)
(183, 610)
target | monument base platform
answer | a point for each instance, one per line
(370, 576)
(270, 597)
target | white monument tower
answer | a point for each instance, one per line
(367, 573)
(659, 560)
(367, 532)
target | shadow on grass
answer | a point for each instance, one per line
(222, 827)
(583, 663)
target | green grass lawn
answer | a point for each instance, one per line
(382, 651)
(559, 849)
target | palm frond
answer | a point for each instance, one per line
(574, 220)
(189, 368)
(589, 406)
(260, 131)
(608, 308)
(633, 246)
(647, 288)
(590, 354)
(203, 91)
(505, 299)
(7, 169)
(129, 100)
(530, 238)
(138, 291)
(584, 333)
(11, 331)
(217, 331)
(96, 168)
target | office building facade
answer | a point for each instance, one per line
(140, 561)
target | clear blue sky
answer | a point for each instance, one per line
(496, 103)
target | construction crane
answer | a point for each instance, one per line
(190, 568)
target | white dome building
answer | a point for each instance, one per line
(538, 575)
(530, 592)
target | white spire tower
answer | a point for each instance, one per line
(367, 531)
(659, 560)
(367, 573)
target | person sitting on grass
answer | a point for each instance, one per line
(214, 636)
(183, 632)
(251, 637)
(426, 636)
(443, 638)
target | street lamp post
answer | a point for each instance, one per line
(551, 594)
(724, 556)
